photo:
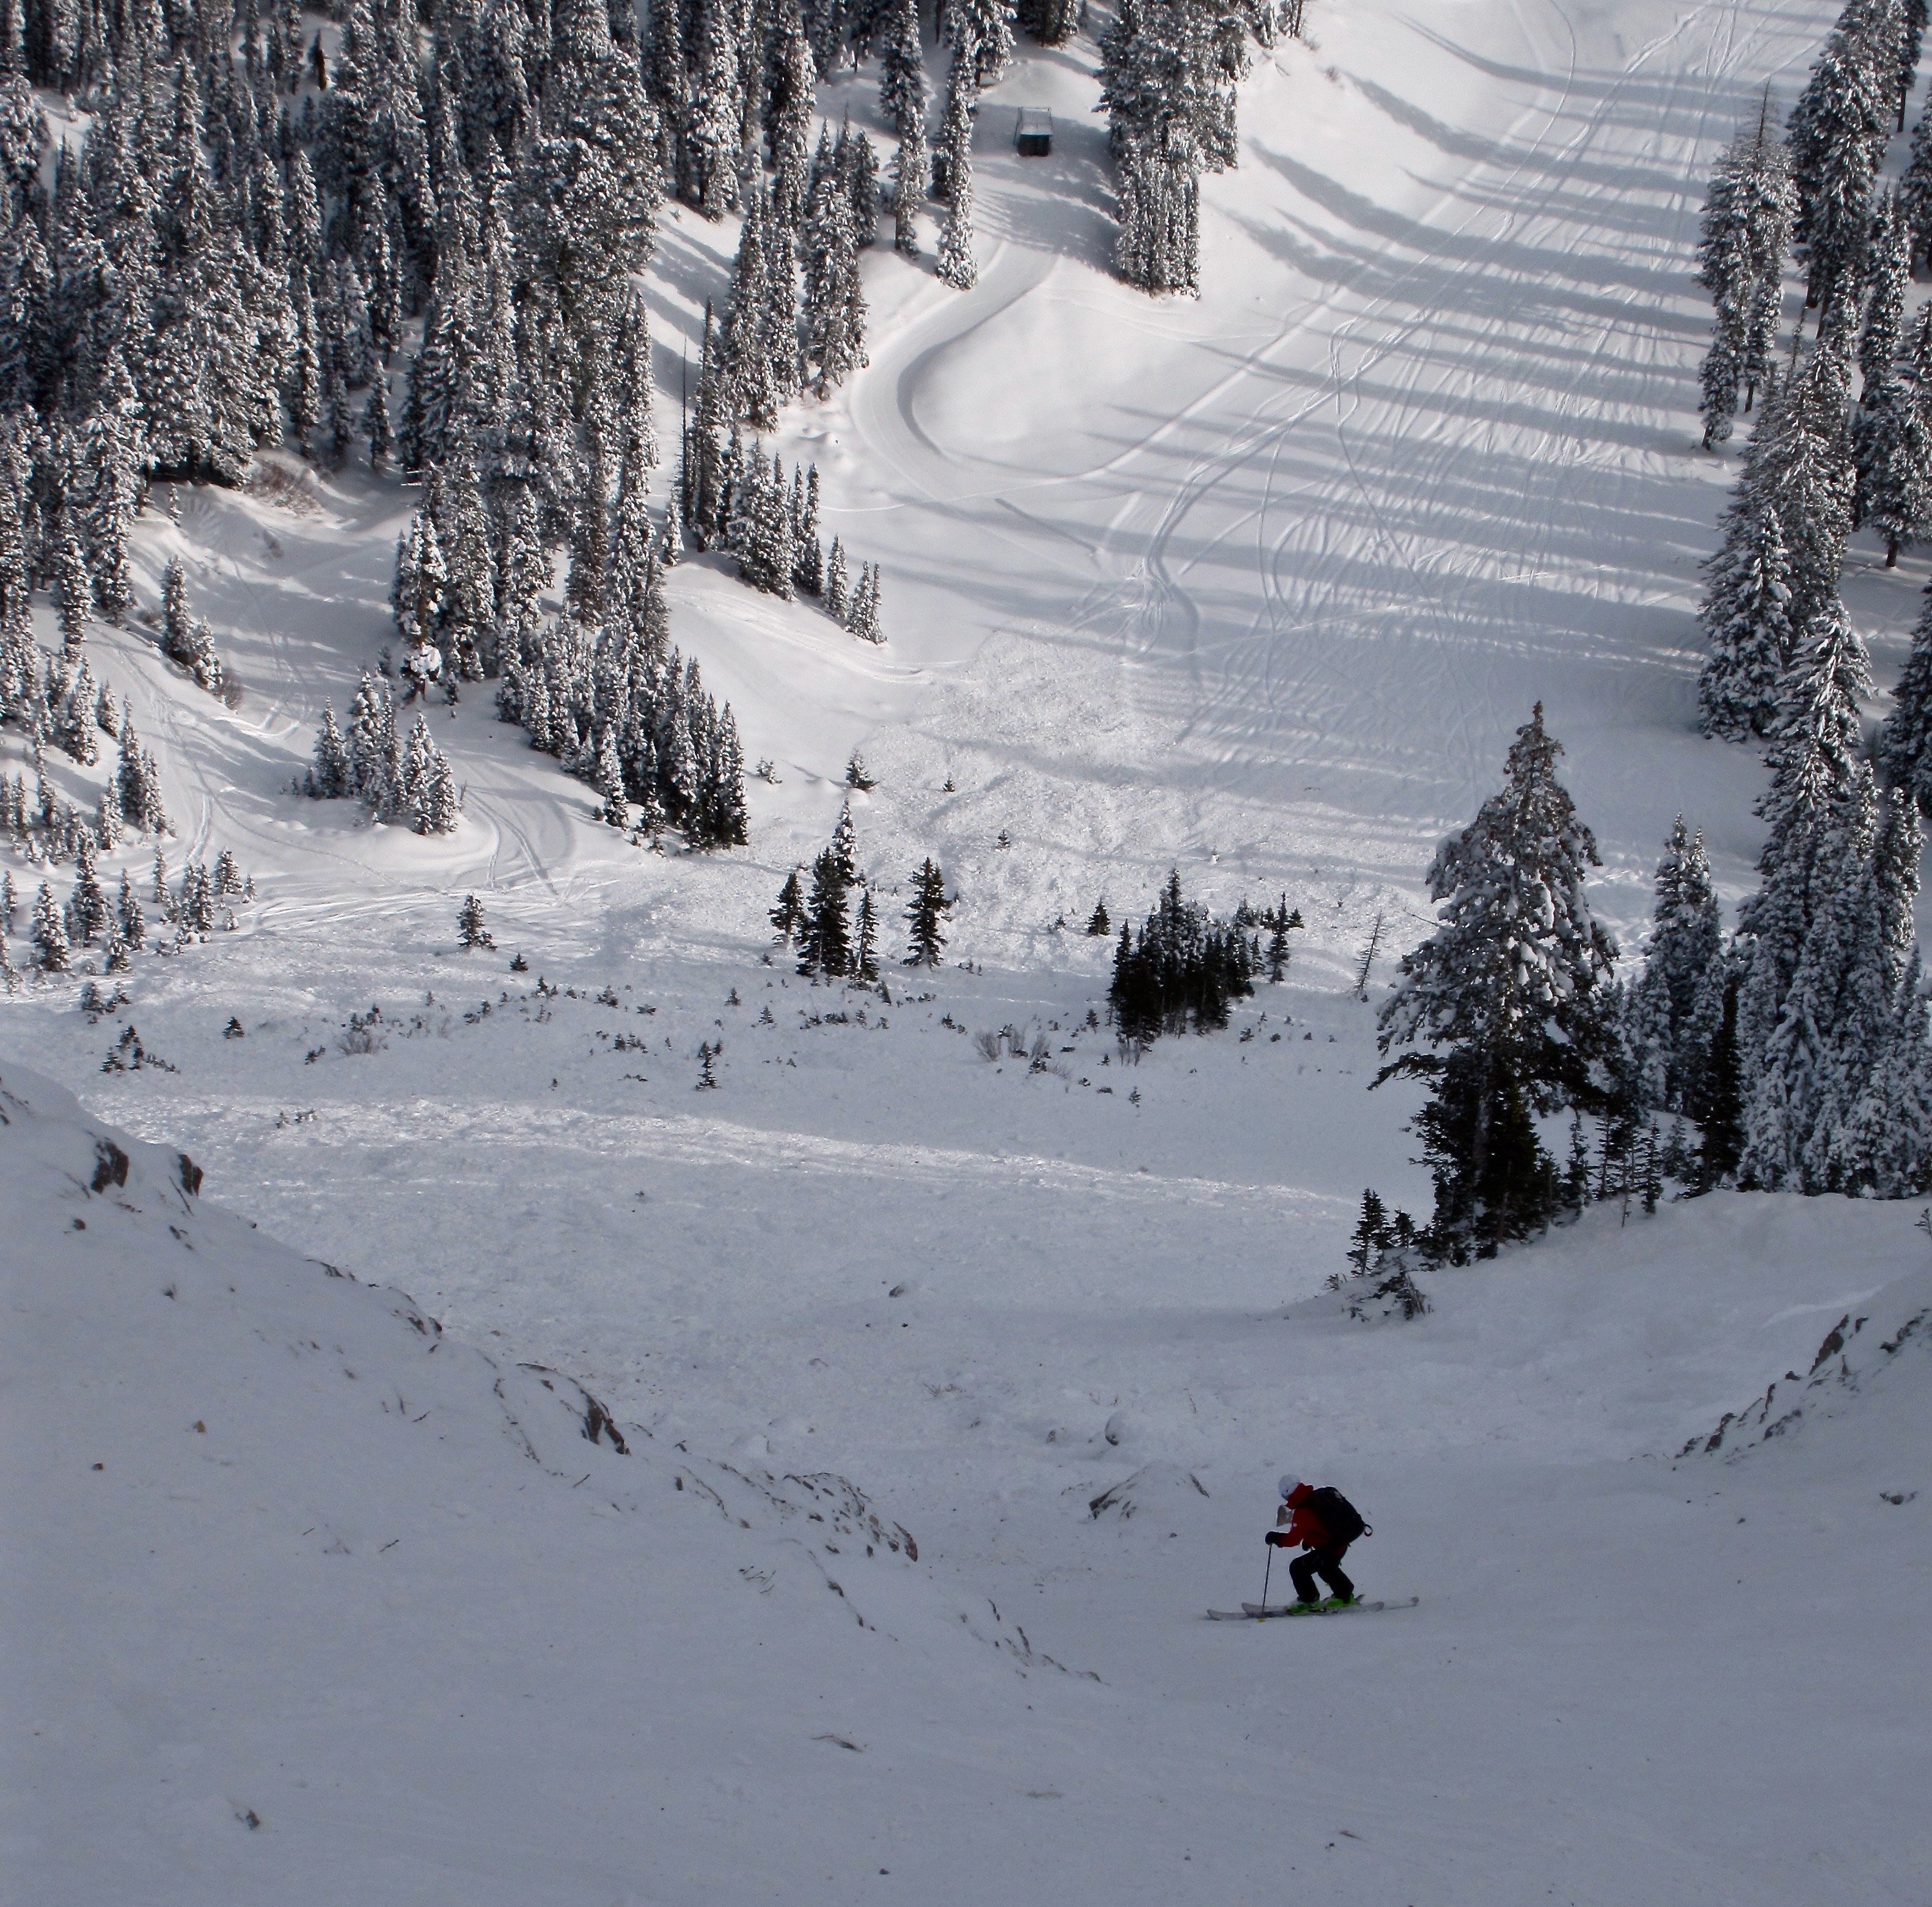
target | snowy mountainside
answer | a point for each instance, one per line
(350, 1605)
(1260, 584)
(1257, 585)
(326, 1601)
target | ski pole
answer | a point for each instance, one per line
(1267, 1569)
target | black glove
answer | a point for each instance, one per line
(1275, 1540)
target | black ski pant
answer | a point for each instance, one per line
(1325, 1563)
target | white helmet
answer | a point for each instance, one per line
(1289, 1485)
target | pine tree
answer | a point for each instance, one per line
(610, 783)
(809, 570)
(1795, 1100)
(1098, 925)
(957, 266)
(50, 933)
(793, 96)
(1686, 937)
(1746, 617)
(788, 916)
(862, 614)
(1892, 440)
(751, 386)
(837, 604)
(375, 424)
(1278, 947)
(88, 908)
(129, 920)
(1784, 535)
(472, 930)
(856, 168)
(1838, 132)
(1371, 1237)
(1746, 234)
(176, 621)
(1722, 373)
(458, 537)
(926, 915)
(903, 92)
(74, 589)
(834, 300)
(416, 597)
(845, 842)
(75, 727)
(1511, 985)
(865, 942)
(1888, 264)
(1820, 800)
(716, 109)
(1905, 742)
(981, 32)
(1809, 475)
(1914, 190)
(824, 944)
(1885, 1144)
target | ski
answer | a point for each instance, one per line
(1256, 1612)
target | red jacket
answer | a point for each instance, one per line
(1305, 1529)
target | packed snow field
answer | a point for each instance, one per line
(1259, 586)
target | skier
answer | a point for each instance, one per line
(1323, 1523)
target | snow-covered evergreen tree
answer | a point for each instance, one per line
(845, 842)
(925, 915)
(1741, 246)
(825, 939)
(787, 917)
(471, 926)
(1686, 937)
(1905, 742)
(1509, 996)
(1889, 268)
(837, 602)
(957, 266)
(1891, 439)
(835, 299)
(865, 960)
(130, 923)
(1837, 134)
(51, 947)
(1820, 812)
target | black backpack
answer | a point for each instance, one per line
(1337, 1515)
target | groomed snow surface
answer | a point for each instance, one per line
(353, 1608)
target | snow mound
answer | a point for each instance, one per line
(1164, 1487)
(1878, 1351)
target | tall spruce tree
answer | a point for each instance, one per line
(925, 915)
(1820, 799)
(825, 941)
(1509, 996)
(1686, 937)
(1837, 134)
(957, 265)
(1745, 235)
(1905, 742)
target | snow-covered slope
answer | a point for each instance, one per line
(1259, 585)
(343, 1574)
(308, 1601)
